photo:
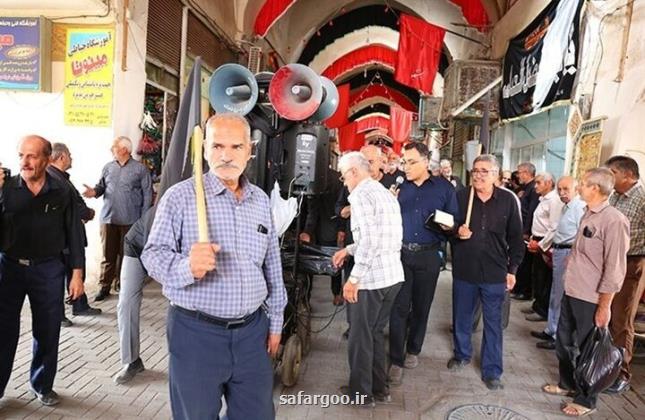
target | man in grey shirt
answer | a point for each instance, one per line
(126, 187)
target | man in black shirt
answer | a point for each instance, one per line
(61, 162)
(487, 252)
(529, 199)
(39, 220)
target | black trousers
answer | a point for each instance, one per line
(576, 322)
(409, 319)
(523, 285)
(337, 280)
(366, 342)
(542, 278)
(43, 284)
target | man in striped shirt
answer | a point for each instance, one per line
(375, 279)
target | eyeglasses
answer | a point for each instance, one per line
(481, 172)
(342, 176)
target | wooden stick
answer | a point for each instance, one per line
(471, 197)
(198, 173)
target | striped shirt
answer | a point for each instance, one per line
(378, 232)
(632, 205)
(249, 271)
(126, 191)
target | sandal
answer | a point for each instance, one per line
(553, 389)
(580, 410)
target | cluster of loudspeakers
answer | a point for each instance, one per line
(296, 93)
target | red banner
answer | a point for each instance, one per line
(361, 94)
(371, 123)
(474, 13)
(400, 124)
(419, 53)
(341, 116)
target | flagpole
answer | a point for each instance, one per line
(471, 197)
(198, 173)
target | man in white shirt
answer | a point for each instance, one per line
(572, 212)
(375, 279)
(545, 224)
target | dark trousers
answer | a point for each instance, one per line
(575, 324)
(624, 308)
(409, 318)
(79, 304)
(43, 284)
(523, 276)
(542, 276)
(464, 300)
(366, 342)
(337, 280)
(112, 242)
(208, 361)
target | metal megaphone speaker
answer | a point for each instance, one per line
(233, 88)
(329, 101)
(295, 92)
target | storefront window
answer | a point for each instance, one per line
(539, 139)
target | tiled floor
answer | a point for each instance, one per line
(89, 357)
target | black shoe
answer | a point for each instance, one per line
(621, 385)
(520, 296)
(493, 384)
(455, 364)
(541, 335)
(546, 345)
(346, 334)
(89, 311)
(382, 397)
(66, 323)
(129, 371)
(49, 398)
(102, 294)
(535, 318)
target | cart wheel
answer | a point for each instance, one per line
(303, 328)
(291, 358)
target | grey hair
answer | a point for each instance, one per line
(490, 159)
(602, 177)
(353, 160)
(546, 176)
(228, 117)
(58, 150)
(444, 163)
(124, 141)
(528, 166)
(574, 181)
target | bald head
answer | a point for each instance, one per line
(567, 186)
(374, 156)
(34, 153)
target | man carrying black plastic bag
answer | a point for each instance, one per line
(594, 273)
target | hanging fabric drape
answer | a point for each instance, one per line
(378, 90)
(359, 58)
(271, 11)
(419, 53)
(371, 123)
(349, 139)
(474, 13)
(400, 124)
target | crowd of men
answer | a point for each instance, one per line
(574, 248)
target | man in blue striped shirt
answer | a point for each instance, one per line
(227, 297)
(126, 187)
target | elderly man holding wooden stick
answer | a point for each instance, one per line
(224, 282)
(487, 249)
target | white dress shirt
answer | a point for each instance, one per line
(378, 233)
(546, 218)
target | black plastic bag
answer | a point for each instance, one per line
(599, 362)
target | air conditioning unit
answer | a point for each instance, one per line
(465, 78)
(255, 59)
(429, 112)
